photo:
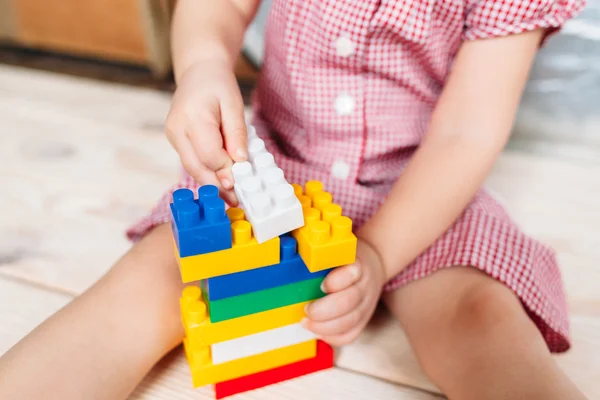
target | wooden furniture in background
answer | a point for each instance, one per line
(128, 31)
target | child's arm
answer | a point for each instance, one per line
(206, 31)
(103, 343)
(206, 124)
(469, 128)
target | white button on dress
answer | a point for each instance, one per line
(344, 47)
(344, 104)
(340, 169)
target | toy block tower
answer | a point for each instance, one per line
(254, 269)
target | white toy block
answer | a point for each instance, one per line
(258, 343)
(266, 197)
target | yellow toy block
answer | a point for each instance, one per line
(199, 329)
(326, 239)
(245, 254)
(204, 372)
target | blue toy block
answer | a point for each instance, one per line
(200, 226)
(291, 269)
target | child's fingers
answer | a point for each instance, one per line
(191, 163)
(341, 278)
(234, 126)
(334, 327)
(334, 305)
(228, 194)
(201, 175)
(344, 338)
(207, 143)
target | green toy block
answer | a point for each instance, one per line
(263, 300)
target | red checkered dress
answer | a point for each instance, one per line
(345, 97)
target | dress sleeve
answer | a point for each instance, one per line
(492, 18)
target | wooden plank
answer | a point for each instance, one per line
(107, 28)
(57, 96)
(58, 210)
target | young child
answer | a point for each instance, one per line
(401, 109)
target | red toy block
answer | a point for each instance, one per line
(323, 360)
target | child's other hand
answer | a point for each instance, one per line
(352, 295)
(206, 124)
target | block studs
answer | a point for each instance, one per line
(284, 196)
(297, 190)
(311, 214)
(341, 227)
(197, 312)
(251, 185)
(188, 214)
(318, 231)
(264, 162)
(305, 201)
(191, 294)
(255, 147)
(288, 248)
(207, 192)
(181, 196)
(273, 177)
(235, 214)
(261, 205)
(201, 355)
(272, 211)
(241, 232)
(241, 171)
(330, 211)
(313, 187)
(321, 199)
(214, 209)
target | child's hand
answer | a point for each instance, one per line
(206, 124)
(352, 294)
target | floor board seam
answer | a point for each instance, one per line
(38, 285)
(406, 385)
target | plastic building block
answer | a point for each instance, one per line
(264, 194)
(245, 254)
(326, 240)
(199, 226)
(199, 329)
(261, 342)
(204, 372)
(250, 303)
(290, 269)
(323, 360)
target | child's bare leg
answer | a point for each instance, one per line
(103, 343)
(475, 341)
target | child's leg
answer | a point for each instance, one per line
(103, 343)
(474, 339)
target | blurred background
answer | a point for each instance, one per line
(131, 45)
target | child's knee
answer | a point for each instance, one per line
(486, 307)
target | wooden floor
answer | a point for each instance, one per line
(82, 159)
